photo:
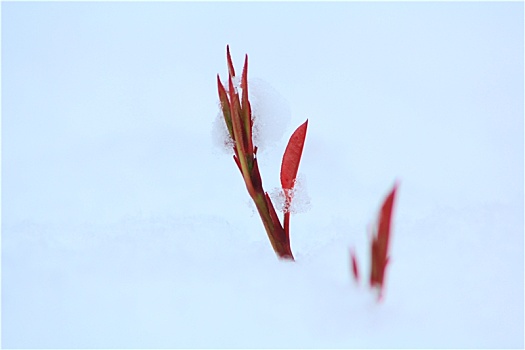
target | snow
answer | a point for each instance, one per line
(123, 228)
(197, 282)
(270, 111)
(301, 202)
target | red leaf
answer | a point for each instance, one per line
(282, 239)
(244, 77)
(231, 70)
(355, 268)
(385, 219)
(256, 177)
(246, 108)
(236, 159)
(381, 241)
(292, 156)
(237, 125)
(225, 105)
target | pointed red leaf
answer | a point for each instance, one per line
(282, 239)
(225, 105)
(246, 108)
(355, 267)
(244, 77)
(381, 240)
(237, 125)
(385, 217)
(231, 70)
(292, 157)
(236, 159)
(256, 177)
(279, 233)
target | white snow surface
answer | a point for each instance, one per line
(201, 282)
(123, 228)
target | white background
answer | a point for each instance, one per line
(110, 177)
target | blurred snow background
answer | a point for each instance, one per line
(124, 226)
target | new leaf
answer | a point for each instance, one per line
(289, 167)
(292, 156)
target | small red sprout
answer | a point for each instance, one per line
(380, 242)
(379, 246)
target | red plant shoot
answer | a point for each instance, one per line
(237, 115)
(379, 246)
(380, 243)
